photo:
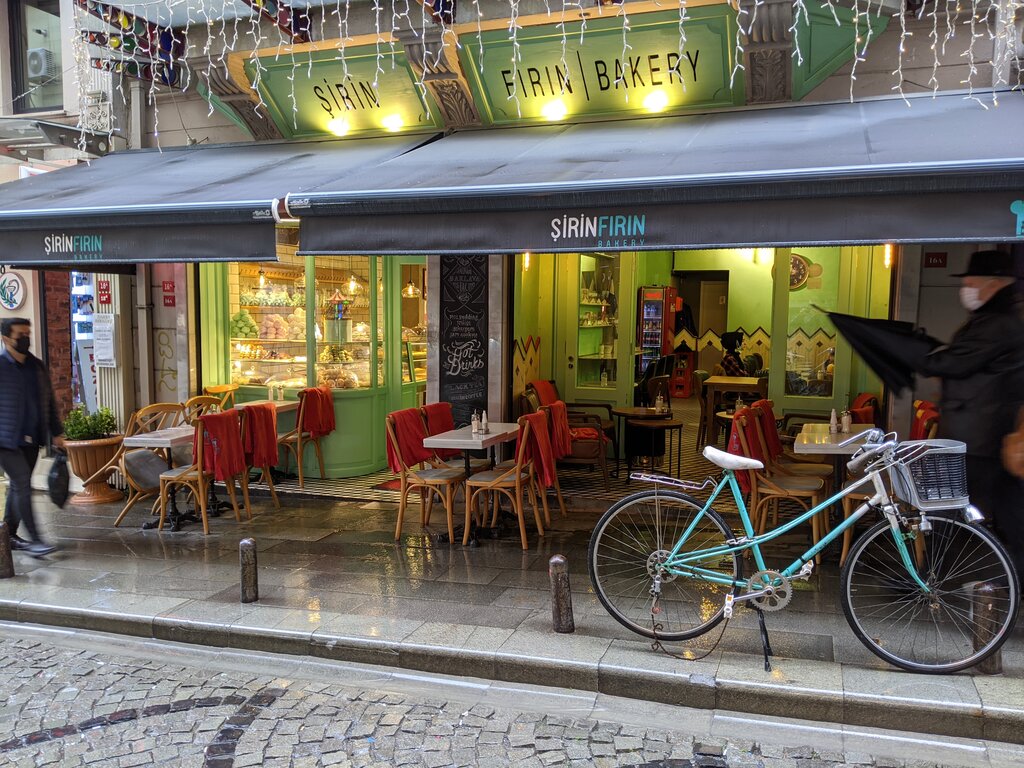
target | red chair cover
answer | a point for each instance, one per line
(222, 450)
(318, 417)
(561, 435)
(734, 447)
(261, 435)
(409, 432)
(539, 449)
(440, 419)
(865, 415)
(921, 419)
(545, 391)
(769, 427)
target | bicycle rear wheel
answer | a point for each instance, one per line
(951, 628)
(632, 538)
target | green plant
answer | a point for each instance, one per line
(82, 425)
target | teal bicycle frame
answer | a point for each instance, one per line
(688, 564)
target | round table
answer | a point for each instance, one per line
(636, 413)
(654, 427)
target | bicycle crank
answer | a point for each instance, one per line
(773, 596)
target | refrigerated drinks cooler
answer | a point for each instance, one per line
(656, 323)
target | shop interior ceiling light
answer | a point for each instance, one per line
(411, 291)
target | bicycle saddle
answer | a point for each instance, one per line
(730, 460)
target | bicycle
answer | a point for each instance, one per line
(926, 588)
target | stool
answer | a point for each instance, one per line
(655, 428)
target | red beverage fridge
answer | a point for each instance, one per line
(656, 324)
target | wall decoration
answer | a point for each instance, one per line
(12, 291)
(463, 335)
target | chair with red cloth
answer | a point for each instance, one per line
(511, 481)
(314, 420)
(581, 441)
(865, 409)
(407, 457)
(768, 491)
(259, 441)
(773, 444)
(544, 466)
(925, 425)
(545, 392)
(218, 455)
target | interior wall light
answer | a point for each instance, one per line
(410, 291)
(526, 262)
(263, 278)
(887, 258)
(354, 286)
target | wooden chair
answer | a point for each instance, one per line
(535, 476)
(509, 482)
(766, 492)
(295, 441)
(226, 393)
(449, 459)
(265, 474)
(200, 405)
(141, 467)
(589, 446)
(546, 392)
(443, 482)
(777, 461)
(699, 377)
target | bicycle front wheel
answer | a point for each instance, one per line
(630, 543)
(965, 616)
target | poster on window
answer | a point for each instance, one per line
(103, 340)
(463, 335)
(87, 373)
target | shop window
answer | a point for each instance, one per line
(598, 321)
(811, 338)
(268, 322)
(414, 322)
(36, 65)
(348, 321)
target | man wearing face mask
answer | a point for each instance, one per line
(28, 417)
(982, 372)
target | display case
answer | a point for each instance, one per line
(344, 328)
(598, 321)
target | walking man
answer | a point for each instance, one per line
(982, 372)
(28, 419)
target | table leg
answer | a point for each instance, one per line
(710, 438)
(173, 514)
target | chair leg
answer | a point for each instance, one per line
(536, 512)
(134, 498)
(604, 471)
(517, 504)
(848, 533)
(266, 477)
(319, 456)
(298, 462)
(245, 494)
(203, 498)
(233, 498)
(494, 502)
(449, 503)
(558, 492)
(426, 506)
(535, 486)
(402, 502)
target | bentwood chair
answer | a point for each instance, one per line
(226, 393)
(200, 405)
(296, 440)
(510, 482)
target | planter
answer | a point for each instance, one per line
(86, 458)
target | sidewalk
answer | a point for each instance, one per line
(333, 584)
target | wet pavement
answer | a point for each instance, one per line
(75, 698)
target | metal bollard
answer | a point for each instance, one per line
(250, 580)
(561, 596)
(984, 621)
(6, 561)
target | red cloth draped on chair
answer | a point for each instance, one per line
(440, 419)
(561, 434)
(318, 418)
(410, 432)
(261, 435)
(750, 435)
(222, 449)
(770, 427)
(539, 449)
(546, 391)
(923, 420)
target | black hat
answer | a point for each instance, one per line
(989, 264)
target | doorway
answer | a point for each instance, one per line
(707, 293)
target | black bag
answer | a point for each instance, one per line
(59, 479)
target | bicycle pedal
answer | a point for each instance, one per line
(727, 611)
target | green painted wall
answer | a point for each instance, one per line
(750, 282)
(534, 301)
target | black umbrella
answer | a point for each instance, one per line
(892, 349)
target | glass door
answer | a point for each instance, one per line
(810, 362)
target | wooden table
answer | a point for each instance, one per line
(815, 438)
(625, 413)
(715, 386)
(167, 440)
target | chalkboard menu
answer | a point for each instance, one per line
(463, 335)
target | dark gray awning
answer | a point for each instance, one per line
(937, 170)
(198, 203)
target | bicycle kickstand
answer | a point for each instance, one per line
(765, 643)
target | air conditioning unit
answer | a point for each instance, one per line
(41, 65)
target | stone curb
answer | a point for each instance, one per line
(688, 689)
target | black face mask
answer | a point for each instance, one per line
(21, 345)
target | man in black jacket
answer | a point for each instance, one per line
(982, 372)
(28, 419)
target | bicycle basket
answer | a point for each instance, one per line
(931, 474)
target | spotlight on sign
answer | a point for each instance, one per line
(555, 110)
(393, 123)
(656, 101)
(338, 126)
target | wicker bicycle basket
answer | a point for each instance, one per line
(931, 474)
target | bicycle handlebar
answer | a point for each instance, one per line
(858, 462)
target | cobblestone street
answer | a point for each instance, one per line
(71, 699)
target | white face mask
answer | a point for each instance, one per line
(970, 298)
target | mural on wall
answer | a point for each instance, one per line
(756, 342)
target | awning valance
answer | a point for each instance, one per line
(938, 170)
(198, 203)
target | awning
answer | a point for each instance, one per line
(937, 170)
(198, 203)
